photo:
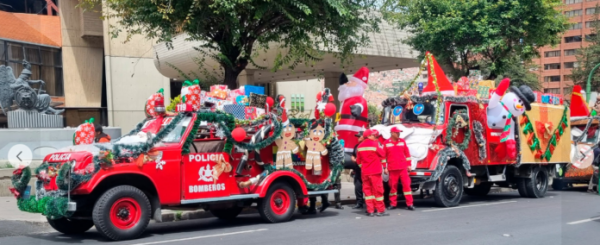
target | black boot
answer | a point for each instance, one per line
(371, 214)
(358, 206)
(325, 203)
(411, 208)
(338, 205)
(382, 214)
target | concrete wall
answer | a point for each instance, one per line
(131, 77)
(82, 59)
(308, 88)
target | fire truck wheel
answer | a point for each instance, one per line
(279, 204)
(122, 213)
(70, 227)
(537, 185)
(227, 213)
(449, 188)
(479, 190)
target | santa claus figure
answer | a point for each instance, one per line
(353, 108)
(502, 108)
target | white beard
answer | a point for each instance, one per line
(349, 92)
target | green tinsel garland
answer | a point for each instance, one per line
(62, 175)
(20, 181)
(190, 139)
(444, 156)
(452, 123)
(259, 145)
(51, 207)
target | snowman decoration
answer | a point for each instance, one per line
(502, 108)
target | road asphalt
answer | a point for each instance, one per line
(566, 217)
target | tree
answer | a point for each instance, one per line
(469, 35)
(588, 57)
(231, 31)
(374, 113)
(521, 74)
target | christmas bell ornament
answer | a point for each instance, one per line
(238, 134)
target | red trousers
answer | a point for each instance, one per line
(373, 189)
(401, 175)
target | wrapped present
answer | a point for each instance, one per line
(242, 100)
(250, 113)
(253, 89)
(258, 100)
(155, 105)
(219, 94)
(190, 94)
(221, 104)
(238, 111)
(260, 112)
(236, 92)
(218, 87)
(85, 133)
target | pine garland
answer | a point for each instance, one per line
(452, 123)
(49, 206)
(481, 142)
(20, 179)
(191, 137)
(444, 156)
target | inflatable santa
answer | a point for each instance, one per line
(353, 107)
(502, 108)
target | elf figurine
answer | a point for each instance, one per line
(314, 148)
(502, 108)
(286, 147)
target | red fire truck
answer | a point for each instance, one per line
(189, 164)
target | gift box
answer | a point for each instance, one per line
(191, 95)
(260, 112)
(238, 111)
(242, 100)
(258, 100)
(221, 104)
(248, 89)
(219, 94)
(218, 87)
(250, 113)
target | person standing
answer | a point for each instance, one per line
(398, 163)
(371, 160)
(358, 186)
(100, 136)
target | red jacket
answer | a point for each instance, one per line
(370, 157)
(397, 154)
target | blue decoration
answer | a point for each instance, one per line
(242, 100)
(342, 143)
(418, 109)
(397, 111)
(420, 85)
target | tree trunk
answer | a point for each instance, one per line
(231, 76)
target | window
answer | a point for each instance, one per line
(552, 79)
(555, 53)
(552, 66)
(575, 26)
(552, 90)
(589, 37)
(572, 1)
(46, 63)
(589, 24)
(570, 65)
(573, 39)
(573, 13)
(590, 10)
(570, 52)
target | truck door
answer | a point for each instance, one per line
(207, 171)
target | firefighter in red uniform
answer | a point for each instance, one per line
(371, 160)
(398, 163)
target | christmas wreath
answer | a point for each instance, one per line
(20, 180)
(459, 119)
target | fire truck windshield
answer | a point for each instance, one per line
(175, 135)
(422, 113)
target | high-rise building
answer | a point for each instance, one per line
(556, 63)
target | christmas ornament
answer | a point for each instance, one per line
(190, 94)
(155, 105)
(270, 102)
(286, 147)
(238, 134)
(315, 148)
(85, 133)
(330, 110)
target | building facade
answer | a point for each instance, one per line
(556, 63)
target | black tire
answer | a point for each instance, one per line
(449, 187)
(537, 185)
(479, 190)
(70, 227)
(521, 186)
(122, 204)
(279, 204)
(558, 185)
(227, 213)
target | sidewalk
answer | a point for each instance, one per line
(10, 211)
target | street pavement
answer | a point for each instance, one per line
(566, 217)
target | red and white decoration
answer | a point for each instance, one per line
(84, 135)
(353, 108)
(155, 105)
(444, 84)
(578, 107)
(192, 96)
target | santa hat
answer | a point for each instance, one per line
(578, 107)
(361, 77)
(442, 81)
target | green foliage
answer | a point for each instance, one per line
(174, 103)
(374, 113)
(467, 35)
(51, 207)
(231, 31)
(20, 179)
(587, 57)
(520, 74)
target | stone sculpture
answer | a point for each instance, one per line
(20, 90)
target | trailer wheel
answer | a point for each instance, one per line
(279, 204)
(479, 190)
(522, 187)
(70, 227)
(122, 213)
(227, 213)
(537, 185)
(449, 188)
